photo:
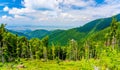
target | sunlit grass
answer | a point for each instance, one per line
(90, 64)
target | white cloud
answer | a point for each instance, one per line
(6, 8)
(51, 12)
(5, 17)
(112, 1)
(21, 11)
(40, 4)
(80, 3)
(21, 17)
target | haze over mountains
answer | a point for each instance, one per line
(63, 36)
(35, 27)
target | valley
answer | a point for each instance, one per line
(95, 45)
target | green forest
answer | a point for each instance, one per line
(96, 48)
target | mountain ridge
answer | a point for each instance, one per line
(80, 33)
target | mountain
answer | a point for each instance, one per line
(64, 36)
(31, 34)
(38, 33)
(24, 31)
(18, 33)
(80, 33)
(98, 24)
(83, 32)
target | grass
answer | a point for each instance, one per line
(53, 65)
(39, 65)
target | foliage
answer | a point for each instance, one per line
(98, 50)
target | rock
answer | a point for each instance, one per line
(43, 60)
(20, 66)
(96, 68)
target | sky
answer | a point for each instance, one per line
(73, 13)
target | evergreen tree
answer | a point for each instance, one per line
(113, 32)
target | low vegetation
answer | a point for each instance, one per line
(97, 52)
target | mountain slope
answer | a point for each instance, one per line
(80, 34)
(19, 33)
(99, 24)
(64, 36)
(38, 33)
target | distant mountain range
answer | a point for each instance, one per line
(63, 36)
(37, 27)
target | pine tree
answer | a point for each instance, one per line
(2, 41)
(113, 32)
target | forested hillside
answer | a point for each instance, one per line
(83, 32)
(80, 34)
(101, 47)
(19, 33)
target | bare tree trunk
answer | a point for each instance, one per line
(113, 42)
(118, 44)
(30, 50)
(0, 52)
(45, 53)
(76, 53)
(3, 59)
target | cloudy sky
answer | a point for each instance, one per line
(56, 12)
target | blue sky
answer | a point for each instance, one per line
(56, 12)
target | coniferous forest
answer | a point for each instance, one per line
(99, 50)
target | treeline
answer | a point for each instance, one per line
(13, 47)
